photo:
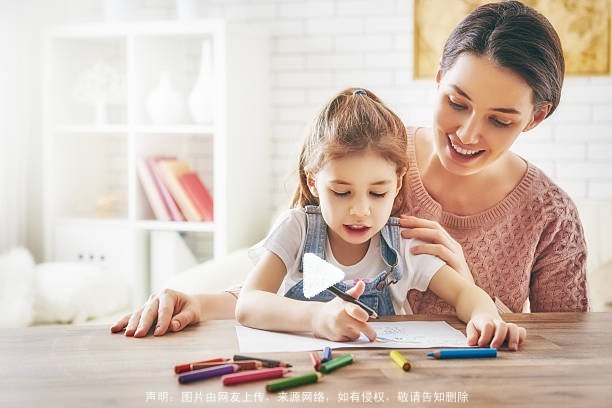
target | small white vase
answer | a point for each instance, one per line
(164, 102)
(202, 98)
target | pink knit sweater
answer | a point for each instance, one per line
(529, 246)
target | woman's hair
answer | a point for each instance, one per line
(352, 122)
(516, 37)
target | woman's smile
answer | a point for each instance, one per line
(461, 153)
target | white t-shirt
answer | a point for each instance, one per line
(287, 238)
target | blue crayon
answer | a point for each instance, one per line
(464, 353)
(327, 354)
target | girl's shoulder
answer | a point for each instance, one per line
(289, 217)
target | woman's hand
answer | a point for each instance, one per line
(339, 320)
(483, 331)
(171, 310)
(440, 243)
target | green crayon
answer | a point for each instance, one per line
(291, 382)
(331, 365)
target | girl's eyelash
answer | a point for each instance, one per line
(340, 194)
(346, 193)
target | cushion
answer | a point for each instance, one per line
(71, 292)
(16, 288)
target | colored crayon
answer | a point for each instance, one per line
(334, 364)
(254, 375)
(265, 362)
(316, 360)
(205, 373)
(291, 382)
(400, 360)
(181, 368)
(327, 354)
(464, 353)
(345, 296)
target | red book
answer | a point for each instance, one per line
(198, 194)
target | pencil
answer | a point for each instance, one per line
(400, 360)
(331, 365)
(344, 296)
(254, 375)
(464, 353)
(267, 363)
(291, 382)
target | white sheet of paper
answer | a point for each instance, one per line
(390, 335)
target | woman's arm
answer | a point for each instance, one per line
(475, 307)
(259, 306)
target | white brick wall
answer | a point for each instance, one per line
(319, 47)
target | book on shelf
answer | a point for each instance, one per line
(169, 201)
(170, 171)
(151, 191)
(198, 193)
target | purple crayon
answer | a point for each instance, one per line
(208, 373)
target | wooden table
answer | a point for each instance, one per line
(566, 361)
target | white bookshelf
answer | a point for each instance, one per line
(94, 206)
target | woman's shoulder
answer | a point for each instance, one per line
(548, 195)
(419, 142)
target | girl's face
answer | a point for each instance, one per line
(481, 110)
(356, 195)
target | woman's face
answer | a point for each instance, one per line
(481, 109)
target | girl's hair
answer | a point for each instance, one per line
(516, 37)
(352, 122)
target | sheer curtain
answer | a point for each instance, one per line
(15, 127)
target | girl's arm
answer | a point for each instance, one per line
(259, 306)
(171, 310)
(474, 306)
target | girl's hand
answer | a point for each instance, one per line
(440, 243)
(170, 309)
(339, 320)
(483, 331)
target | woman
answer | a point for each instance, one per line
(487, 212)
(500, 74)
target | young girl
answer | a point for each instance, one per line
(351, 169)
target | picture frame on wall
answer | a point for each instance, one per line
(583, 27)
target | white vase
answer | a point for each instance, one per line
(202, 98)
(164, 102)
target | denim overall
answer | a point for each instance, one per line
(377, 294)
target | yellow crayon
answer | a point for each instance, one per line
(400, 360)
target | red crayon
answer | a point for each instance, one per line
(181, 368)
(316, 360)
(254, 375)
